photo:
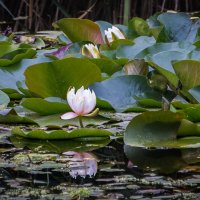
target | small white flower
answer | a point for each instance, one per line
(91, 51)
(113, 34)
(82, 103)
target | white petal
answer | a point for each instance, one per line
(78, 105)
(68, 115)
(80, 91)
(90, 101)
(117, 32)
(70, 97)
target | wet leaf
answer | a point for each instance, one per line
(4, 100)
(54, 78)
(61, 134)
(80, 30)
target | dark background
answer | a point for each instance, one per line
(35, 15)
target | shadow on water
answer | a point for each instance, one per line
(96, 170)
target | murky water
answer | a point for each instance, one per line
(29, 171)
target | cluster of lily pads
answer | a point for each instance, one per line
(150, 66)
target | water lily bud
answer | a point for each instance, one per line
(113, 34)
(27, 39)
(82, 103)
(90, 51)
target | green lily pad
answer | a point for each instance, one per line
(47, 106)
(10, 75)
(96, 134)
(131, 51)
(78, 30)
(151, 128)
(58, 146)
(106, 65)
(10, 116)
(195, 92)
(123, 92)
(54, 78)
(16, 56)
(188, 71)
(4, 100)
(179, 26)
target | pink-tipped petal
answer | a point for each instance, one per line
(68, 115)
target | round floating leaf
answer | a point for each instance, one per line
(16, 56)
(54, 78)
(4, 100)
(10, 116)
(10, 75)
(139, 26)
(106, 65)
(58, 146)
(80, 30)
(44, 106)
(124, 91)
(178, 26)
(150, 128)
(96, 134)
(188, 71)
(195, 92)
(131, 51)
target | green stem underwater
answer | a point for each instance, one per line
(80, 121)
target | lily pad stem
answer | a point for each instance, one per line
(80, 121)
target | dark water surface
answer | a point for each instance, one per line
(104, 173)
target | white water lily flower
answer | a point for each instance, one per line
(82, 103)
(90, 50)
(113, 34)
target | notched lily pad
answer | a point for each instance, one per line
(89, 133)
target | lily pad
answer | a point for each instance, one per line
(123, 92)
(80, 30)
(16, 56)
(195, 92)
(4, 100)
(45, 106)
(58, 146)
(54, 78)
(188, 71)
(151, 128)
(96, 134)
(10, 116)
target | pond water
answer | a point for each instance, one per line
(100, 170)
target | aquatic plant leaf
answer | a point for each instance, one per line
(164, 160)
(96, 134)
(16, 56)
(4, 100)
(46, 107)
(124, 91)
(150, 128)
(131, 51)
(80, 30)
(179, 26)
(10, 75)
(195, 92)
(58, 146)
(54, 78)
(55, 121)
(139, 26)
(188, 128)
(188, 71)
(106, 65)
(10, 116)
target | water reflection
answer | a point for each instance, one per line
(81, 164)
(162, 160)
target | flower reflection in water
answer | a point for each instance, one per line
(81, 164)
